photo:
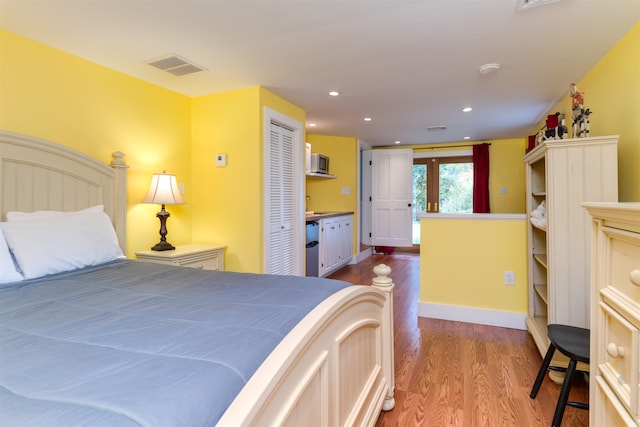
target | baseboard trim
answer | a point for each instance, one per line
(504, 319)
(361, 256)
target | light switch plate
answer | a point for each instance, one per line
(509, 278)
(221, 160)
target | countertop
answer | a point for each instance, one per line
(315, 216)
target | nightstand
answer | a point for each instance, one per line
(205, 257)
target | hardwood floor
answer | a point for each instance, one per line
(460, 374)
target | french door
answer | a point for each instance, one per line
(441, 184)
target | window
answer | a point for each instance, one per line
(441, 184)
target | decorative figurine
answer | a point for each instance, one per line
(581, 123)
(554, 128)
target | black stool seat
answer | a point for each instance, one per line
(573, 342)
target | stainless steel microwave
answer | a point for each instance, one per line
(319, 163)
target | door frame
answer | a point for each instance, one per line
(273, 116)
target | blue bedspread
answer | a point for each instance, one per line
(132, 343)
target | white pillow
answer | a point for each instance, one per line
(8, 272)
(43, 215)
(62, 243)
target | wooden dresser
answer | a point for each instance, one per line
(615, 314)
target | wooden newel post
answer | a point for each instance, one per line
(384, 283)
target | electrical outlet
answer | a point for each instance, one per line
(509, 278)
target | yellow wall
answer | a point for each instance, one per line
(50, 94)
(326, 194)
(228, 209)
(612, 92)
(462, 263)
(229, 199)
(506, 169)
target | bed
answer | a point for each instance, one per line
(122, 342)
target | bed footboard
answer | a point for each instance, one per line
(334, 369)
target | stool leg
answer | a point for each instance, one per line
(564, 393)
(542, 371)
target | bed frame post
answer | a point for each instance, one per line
(120, 203)
(383, 282)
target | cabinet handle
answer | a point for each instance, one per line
(615, 351)
(428, 206)
(635, 276)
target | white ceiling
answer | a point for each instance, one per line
(407, 64)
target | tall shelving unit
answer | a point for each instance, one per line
(564, 173)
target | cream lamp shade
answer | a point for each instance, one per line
(163, 190)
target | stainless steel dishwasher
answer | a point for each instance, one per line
(313, 249)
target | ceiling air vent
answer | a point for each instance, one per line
(176, 65)
(436, 128)
(525, 4)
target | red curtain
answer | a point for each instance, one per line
(481, 178)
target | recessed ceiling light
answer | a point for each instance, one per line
(489, 68)
(312, 125)
(367, 119)
(397, 142)
(467, 109)
(334, 93)
(467, 137)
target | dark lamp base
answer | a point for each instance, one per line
(163, 246)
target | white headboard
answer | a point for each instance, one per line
(40, 175)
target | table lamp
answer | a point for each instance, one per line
(163, 191)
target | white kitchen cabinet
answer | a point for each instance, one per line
(329, 238)
(615, 315)
(346, 240)
(563, 174)
(336, 243)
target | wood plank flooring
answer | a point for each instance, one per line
(460, 374)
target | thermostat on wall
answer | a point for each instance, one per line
(221, 160)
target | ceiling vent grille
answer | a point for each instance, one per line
(176, 65)
(436, 128)
(526, 4)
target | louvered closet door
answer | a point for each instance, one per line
(280, 201)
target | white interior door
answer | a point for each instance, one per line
(283, 197)
(391, 193)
